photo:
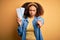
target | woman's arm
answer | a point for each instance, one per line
(19, 30)
(40, 22)
(19, 21)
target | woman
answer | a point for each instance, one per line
(29, 28)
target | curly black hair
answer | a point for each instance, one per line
(39, 8)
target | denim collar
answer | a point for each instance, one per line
(34, 18)
(27, 19)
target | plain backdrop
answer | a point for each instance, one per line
(8, 23)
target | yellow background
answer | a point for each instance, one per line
(8, 23)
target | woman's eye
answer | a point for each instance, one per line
(31, 10)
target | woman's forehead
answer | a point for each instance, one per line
(32, 7)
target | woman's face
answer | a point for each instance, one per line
(32, 10)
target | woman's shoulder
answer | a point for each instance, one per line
(40, 18)
(24, 19)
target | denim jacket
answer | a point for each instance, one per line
(37, 31)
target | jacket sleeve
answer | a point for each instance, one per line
(20, 29)
(41, 19)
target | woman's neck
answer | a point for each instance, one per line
(31, 16)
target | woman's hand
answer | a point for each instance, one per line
(39, 24)
(19, 21)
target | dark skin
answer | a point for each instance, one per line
(32, 12)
